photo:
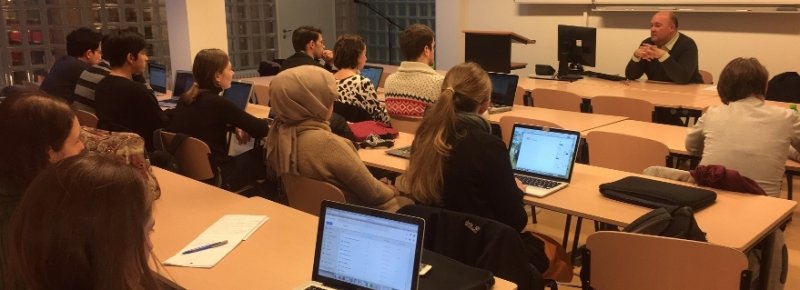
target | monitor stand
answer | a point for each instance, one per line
(568, 71)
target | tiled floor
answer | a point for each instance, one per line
(552, 224)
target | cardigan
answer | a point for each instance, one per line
(411, 89)
(680, 67)
(748, 136)
(324, 156)
(478, 179)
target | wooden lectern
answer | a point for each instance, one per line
(492, 49)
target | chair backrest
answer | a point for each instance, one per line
(86, 118)
(405, 124)
(708, 78)
(192, 157)
(623, 261)
(555, 99)
(784, 87)
(635, 109)
(625, 152)
(307, 194)
(507, 124)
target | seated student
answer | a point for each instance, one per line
(357, 100)
(309, 48)
(415, 86)
(83, 51)
(746, 134)
(204, 114)
(300, 141)
(121, 103)
(36, 130)
(83, 223)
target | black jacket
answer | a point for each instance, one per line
(478, 178)
(681, 66)
(478, 242)
(300, 58)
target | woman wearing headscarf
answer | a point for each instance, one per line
(300, 141)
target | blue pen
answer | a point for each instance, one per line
(205, 247)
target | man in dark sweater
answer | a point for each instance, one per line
(123, 104)
(309, 48)
(667, 55)
(83, 51)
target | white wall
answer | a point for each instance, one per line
(772, 38)
(194, 25)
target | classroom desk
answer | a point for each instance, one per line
(258, 111)
(279, 255)
(735, 220)
(568, 120)
(377, 157)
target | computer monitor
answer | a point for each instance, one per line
(576, 48)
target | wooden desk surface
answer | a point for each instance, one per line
(568, 120)
(257, 111)
(279, 255)
(736, 220)
(378, 158)
(672, 136)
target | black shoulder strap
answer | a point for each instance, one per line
(176, 143)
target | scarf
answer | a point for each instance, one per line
(301, 99)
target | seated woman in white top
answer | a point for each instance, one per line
(746, 134)
(358, 100)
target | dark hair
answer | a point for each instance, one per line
(741, 78)
(414, 39)
(207, 63)
(302, 35)
(120, 43)
(347, 50)
(31, 123)
(81, 225)
(82, 39)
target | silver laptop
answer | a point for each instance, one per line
(239, 93)
(543, 158)
(504, 88)
(364, 248)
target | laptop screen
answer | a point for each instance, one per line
(158, 77)
(504, 87)
(183, 82)
(359, 247)
(239, 93)
(543, 152)
(373, 73)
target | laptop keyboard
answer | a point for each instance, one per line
(312, 287)
(538, 182)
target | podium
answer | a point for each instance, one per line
(492, 49)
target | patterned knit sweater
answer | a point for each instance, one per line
(411, 89)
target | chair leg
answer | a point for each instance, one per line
(534, 220)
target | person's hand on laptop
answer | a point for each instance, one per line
(521, 185)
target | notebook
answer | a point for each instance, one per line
(364, 248)
(239, 93)
(373, 73)
(504, 87)
(543, 158)
(183, 82)
(158, 77)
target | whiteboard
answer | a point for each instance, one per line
(698, 2)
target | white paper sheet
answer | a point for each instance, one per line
(231, 228)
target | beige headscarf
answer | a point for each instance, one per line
(301, 98)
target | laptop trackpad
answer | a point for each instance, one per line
(542, 192)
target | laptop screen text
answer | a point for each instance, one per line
(367, 251)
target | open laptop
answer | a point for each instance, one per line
(364, 248)
(504, 87)
(239, 93)
(402, 152)
(157, 74)
(373, 73)
(183, 82)
(543, 158)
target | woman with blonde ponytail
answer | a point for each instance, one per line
(456, 162)
(203, 114)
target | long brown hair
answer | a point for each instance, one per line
(31, 123)
(81, 225)
(207, 63)
(466, 86)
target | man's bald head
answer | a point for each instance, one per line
(663, 27)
